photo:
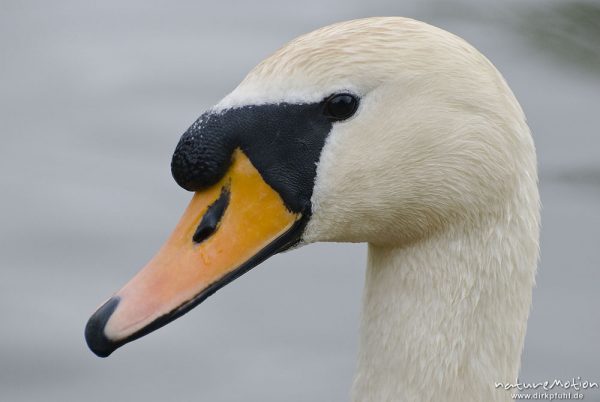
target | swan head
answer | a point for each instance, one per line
(380, 130)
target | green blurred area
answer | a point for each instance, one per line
(570, 30)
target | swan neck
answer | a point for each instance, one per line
(445, 318)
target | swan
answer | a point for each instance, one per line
(381, 130)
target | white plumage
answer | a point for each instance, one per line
(437, 172)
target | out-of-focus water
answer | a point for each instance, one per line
(93, 98)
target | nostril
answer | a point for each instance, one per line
(202, 155)
(211, 219)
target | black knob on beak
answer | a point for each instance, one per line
(203, 154)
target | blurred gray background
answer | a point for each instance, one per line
(93, 98)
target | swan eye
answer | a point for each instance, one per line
(340, 106)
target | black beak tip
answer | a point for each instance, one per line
(95, 337)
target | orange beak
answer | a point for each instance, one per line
(225, 231)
